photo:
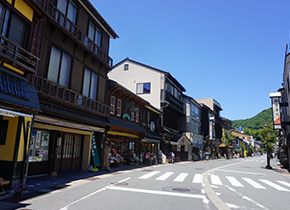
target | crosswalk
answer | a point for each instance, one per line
(216, 180)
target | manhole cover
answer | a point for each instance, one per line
(181, 189)
(119, 183)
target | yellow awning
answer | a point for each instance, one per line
(122, 134)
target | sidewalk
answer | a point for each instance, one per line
(41, 185)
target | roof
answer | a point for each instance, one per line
(153, 68)
(125, 124)
(190, 98)
(241, 135)
(15, 92)
(101, 20)
(73, 114)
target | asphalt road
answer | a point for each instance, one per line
(242, 183)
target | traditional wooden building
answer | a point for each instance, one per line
(151, 124)
(125, 134)
(72, 84)
(21, 34)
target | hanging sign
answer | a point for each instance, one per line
(95, 154)
(276, 109)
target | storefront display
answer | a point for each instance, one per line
(39, 146)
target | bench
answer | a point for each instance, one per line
(3, 184)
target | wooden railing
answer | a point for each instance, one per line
(69, 27)
(16, 56)
(65, 95)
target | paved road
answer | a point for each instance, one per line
(219, 184)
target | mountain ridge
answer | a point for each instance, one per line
(256, 122)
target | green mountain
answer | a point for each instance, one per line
(256, 122)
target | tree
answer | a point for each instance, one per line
(242, 146)
(227, 139)
(269, 139)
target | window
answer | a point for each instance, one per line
(143, 88)
(119, 106)
(94, 34)
(13, 27)
(90, 84)
(68, 8)
(137, 115)
(59, 67)
(132, 116)
(112, 105)
(170, 88)
(126, 67)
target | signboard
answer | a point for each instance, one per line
(95, 154)
(276, 110)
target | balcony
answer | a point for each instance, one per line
(64, 96)
(17, 57)
(174, 102)
(69, 28)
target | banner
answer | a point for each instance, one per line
(276, 110)
(95, 154)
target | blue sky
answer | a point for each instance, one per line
(229, 50)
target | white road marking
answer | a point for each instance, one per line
(254, 184)
(197, 178)
(89, 195)
(148, 175)
(156, 192)
(215, 180)
(247, 198)
(164, 176)
(124, 180)
(180, 177)
(241, 172)
(274, 185)
(234, 181)
(232, 206)
(284, 183)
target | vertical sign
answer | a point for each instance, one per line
(276, 110)
(95, 154)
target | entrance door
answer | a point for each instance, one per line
(69, 157)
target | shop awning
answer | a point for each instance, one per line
(122, 134)
(152, 136)
(238, 149)
(125, 124)
(198, 145)
(64, 123)
(150, 140)
(9, 113)
(222, 145)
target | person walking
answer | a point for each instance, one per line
(172, 155)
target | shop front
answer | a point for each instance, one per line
(151, 146)
(198, 152)
(124, 139)
(124, 149)
(58, 145)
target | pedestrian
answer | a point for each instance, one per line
(172, 155)
(200, 155)
(153, 158)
